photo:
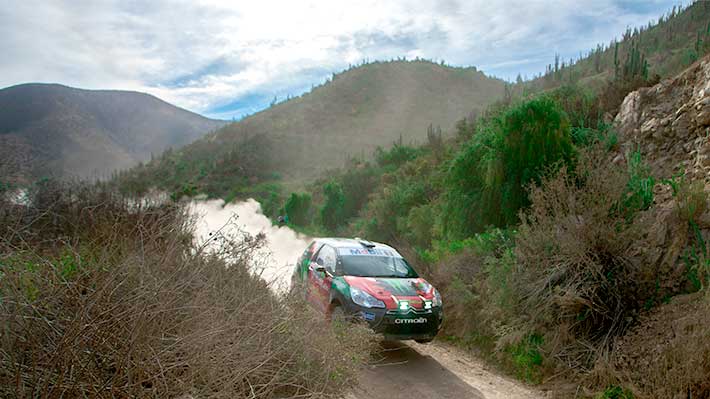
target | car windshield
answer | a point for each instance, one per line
(376, 266)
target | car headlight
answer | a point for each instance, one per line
(362, 298)
(437, 299)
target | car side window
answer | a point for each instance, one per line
(309, 253)
(329, 257)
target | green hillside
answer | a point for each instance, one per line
(351, 115)
(661, 48)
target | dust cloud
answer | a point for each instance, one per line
(283, 246)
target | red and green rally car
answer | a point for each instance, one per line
(369, 281)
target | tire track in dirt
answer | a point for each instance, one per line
(410, 370)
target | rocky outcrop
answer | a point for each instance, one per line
(670, 123)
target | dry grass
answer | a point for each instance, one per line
(103, 297)
(668, 354)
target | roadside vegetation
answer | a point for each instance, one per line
(102, 295)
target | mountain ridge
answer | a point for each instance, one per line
(358, 110)
(49, 129)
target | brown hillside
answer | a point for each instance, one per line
(360, 109)
(54, 130)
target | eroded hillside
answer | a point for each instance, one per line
(670, 123)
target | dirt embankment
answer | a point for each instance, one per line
(667, 353)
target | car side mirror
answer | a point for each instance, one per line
(320, 269)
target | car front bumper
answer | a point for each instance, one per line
(416, 324)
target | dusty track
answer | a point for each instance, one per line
(410, 370)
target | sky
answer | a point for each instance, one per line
(230, 58)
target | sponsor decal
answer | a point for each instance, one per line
(420, 320)
(367, 251)
(368, 316)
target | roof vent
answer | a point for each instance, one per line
(365, 243)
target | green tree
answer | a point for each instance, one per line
(331, 213)
(297, 208)
(488, 180)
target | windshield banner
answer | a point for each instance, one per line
(368, 251)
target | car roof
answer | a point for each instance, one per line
(337, 242)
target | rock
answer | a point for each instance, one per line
(618, 159)
(703, 118)
(650, 124)
(608, 118)
(628, 115)
(704, 101)
(681, 124)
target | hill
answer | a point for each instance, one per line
(49, 129)
(350, 115)
(661, 48)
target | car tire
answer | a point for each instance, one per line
(337, 315)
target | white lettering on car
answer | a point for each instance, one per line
(420, 320)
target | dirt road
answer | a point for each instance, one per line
(410, 370)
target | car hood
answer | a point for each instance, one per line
(393, 290)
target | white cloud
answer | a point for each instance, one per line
(202, 55)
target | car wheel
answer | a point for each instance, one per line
(337, 315)
(339, 320)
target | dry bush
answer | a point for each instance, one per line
(102, 296)
(576, 278)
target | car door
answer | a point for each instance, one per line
(300, 273)
(320, 282)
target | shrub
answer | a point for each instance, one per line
(106, 296)
(488, 180)
(397, 155)
(577, 280)
(615, 392)
(691, 202)
(526, 358)
(387, 214)
(639, 195)
(691, 198)
(580, 105)
(331, 214)
(297, 208)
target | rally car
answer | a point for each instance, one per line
(368, 281)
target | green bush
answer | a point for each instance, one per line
(297, 208)
(639, 194)
(526, 358)
(615, 392)
(331, 213)
(397, 155)
(488, 180)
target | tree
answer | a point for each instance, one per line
(297, 208)
(331, 214)
(488, 180)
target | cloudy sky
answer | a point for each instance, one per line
(229, 58)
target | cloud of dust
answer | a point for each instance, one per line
(283, 245)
